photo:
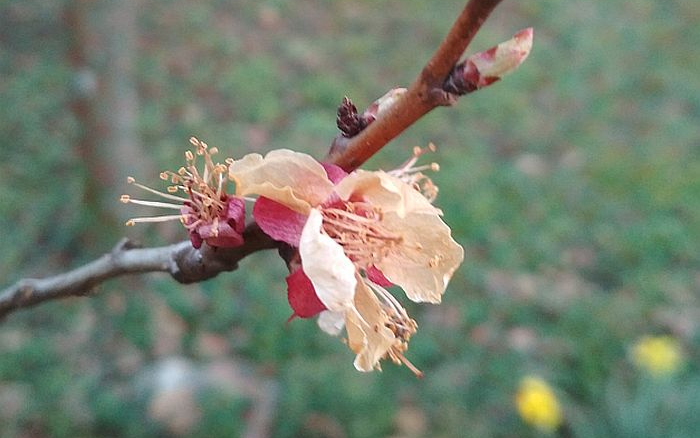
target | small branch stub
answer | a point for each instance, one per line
(349, 121)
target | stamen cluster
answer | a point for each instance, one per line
(401, 325)
(414, 176)
(358, 228)
(209, 213)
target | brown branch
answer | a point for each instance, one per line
(184, 263)
(187, 264)
(425, 94)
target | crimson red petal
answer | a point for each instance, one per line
(195, 239)
(302, 296)
(226, 236)
(278, 221)
(377, 276)
(235, 213)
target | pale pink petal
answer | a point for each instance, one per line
(290, 178)
(278, 221)
(325, 263)
(335, 173)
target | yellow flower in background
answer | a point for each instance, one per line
(658, 355)
(537, 404)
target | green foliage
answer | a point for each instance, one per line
(572, 184)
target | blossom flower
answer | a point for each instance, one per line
(356, 234)
(208, 213)
(538, 405)
(658, 355)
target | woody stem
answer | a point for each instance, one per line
(423, 95)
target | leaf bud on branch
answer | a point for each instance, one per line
(484, 68)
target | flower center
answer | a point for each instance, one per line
(358, 228)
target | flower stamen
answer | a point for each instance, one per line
(359, 230)
(400, 324)
(207, 212)
(415, 177)
(133, 221)
(132, 181)
(125, 199)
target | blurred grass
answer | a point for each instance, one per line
(573, 186)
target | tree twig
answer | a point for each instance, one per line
(187, 264)
(425, 94)
(184, 263)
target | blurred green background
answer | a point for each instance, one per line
(573, 185)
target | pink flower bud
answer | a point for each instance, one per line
(485, 68)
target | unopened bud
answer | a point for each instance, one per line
(505, 57)
(484, 68)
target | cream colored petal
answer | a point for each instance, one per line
(368, 336)
(331, 322)
(413, 201)
(426, 259)
(384, 191)
(326, 265)
(368, 185)
(290, 178)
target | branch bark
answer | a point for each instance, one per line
(425, 94)
(187, 264)
(183, 262)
